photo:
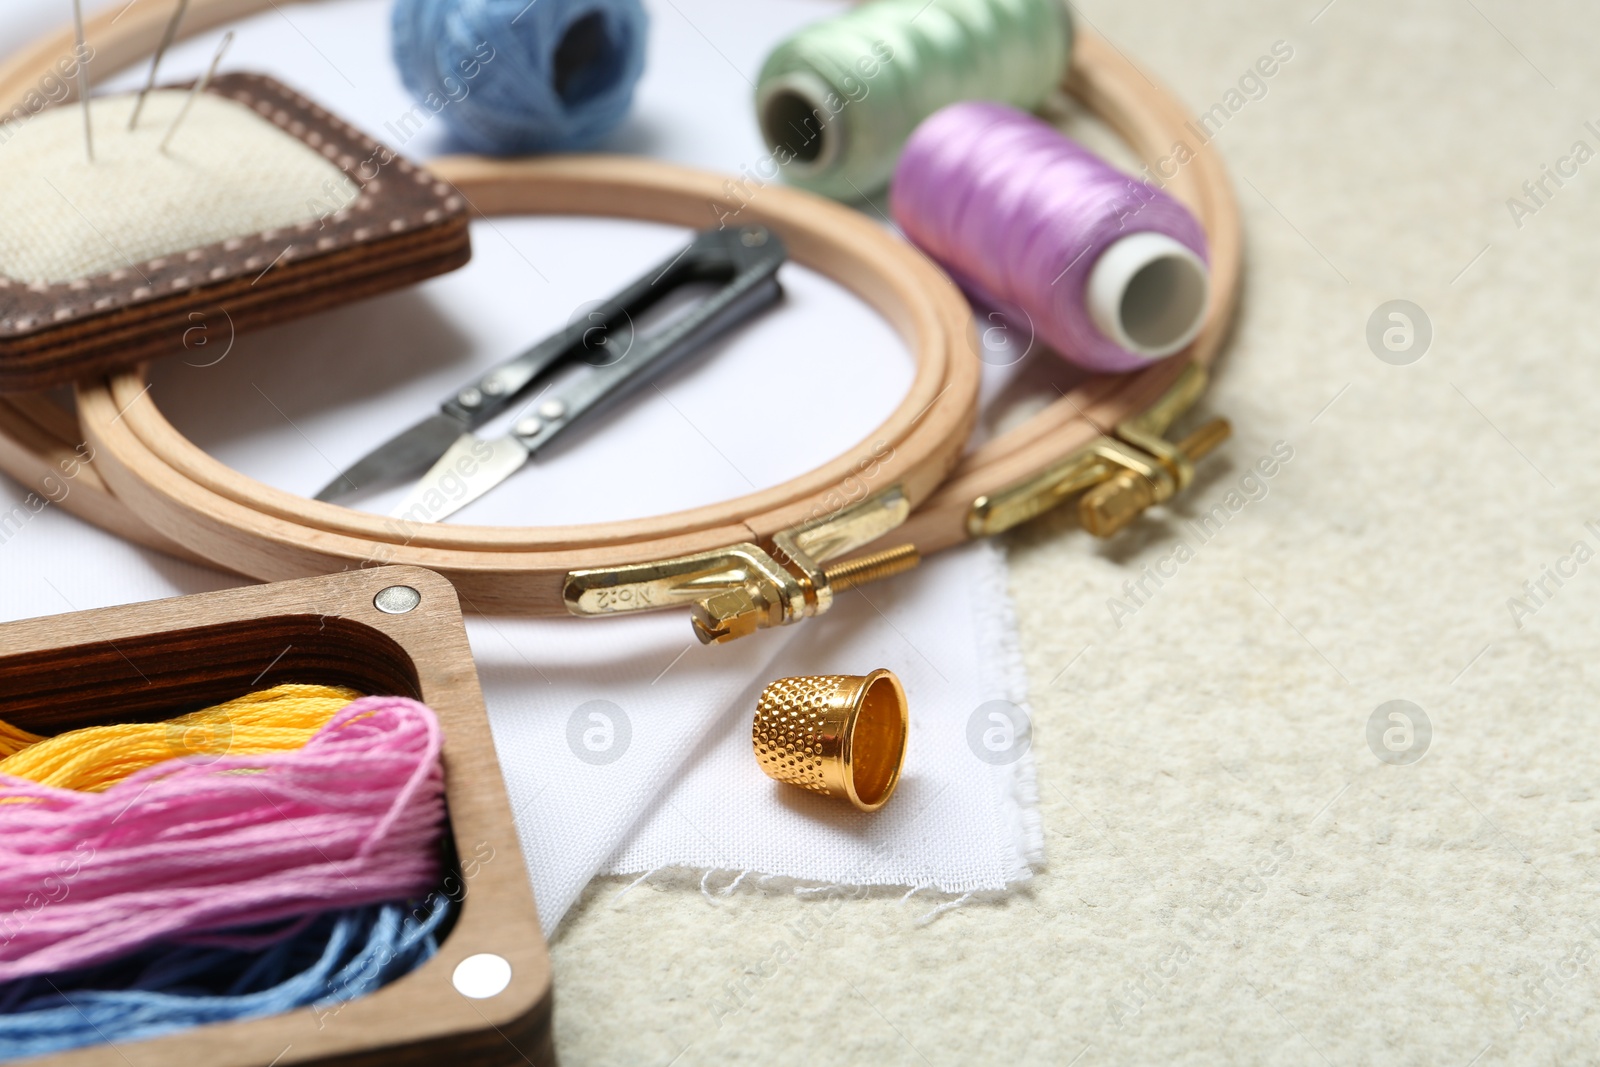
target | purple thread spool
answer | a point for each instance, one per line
(1110, 270)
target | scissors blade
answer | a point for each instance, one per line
(405, 455)
(468, 469)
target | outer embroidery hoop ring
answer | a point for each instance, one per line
(270, 534)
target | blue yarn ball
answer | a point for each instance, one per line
(513, 76)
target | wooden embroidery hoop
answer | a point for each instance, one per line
(271, 534)
(172, 494)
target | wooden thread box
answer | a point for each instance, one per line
(150, 662)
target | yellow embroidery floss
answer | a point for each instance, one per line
(94, 758)
(13, 740)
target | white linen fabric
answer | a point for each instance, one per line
(661, 774)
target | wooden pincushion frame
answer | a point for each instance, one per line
(146, 662)
(401, 226)
(163, 494)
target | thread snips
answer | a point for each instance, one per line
(457, 466)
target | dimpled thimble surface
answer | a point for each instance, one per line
(840, 735)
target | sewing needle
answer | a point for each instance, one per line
(199, 87)
(155, 62)
(83, 78)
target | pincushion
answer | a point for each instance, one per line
(262, 207)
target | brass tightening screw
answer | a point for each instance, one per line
(725, 617)
(1203, 441)
(873, 568)
(737, 612)
(1116, 502)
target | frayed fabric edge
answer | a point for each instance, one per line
(702, 880)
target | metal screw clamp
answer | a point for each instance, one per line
(1119, 477)
(736, 591)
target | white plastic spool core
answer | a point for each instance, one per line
(794, 122)
(1148, 293)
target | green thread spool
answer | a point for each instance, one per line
(837, 100)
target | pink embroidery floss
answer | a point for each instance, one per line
(1106, 269)
(188, 848)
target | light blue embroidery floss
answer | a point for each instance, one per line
(511, 77)
(334, 957)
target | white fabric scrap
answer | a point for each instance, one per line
(686, 791)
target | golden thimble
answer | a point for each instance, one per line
(841, 735)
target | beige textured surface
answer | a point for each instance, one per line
(1228, 861)
(227, 172)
